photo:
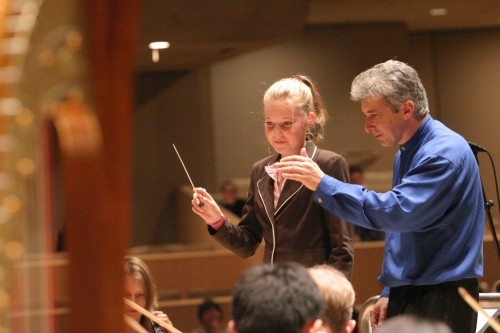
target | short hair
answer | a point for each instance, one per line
(302, 93)
(338, 295)
(275, 298)
(208, 304)
(227, 183)
(396, 82)
(355, 168)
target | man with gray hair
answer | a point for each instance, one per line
(433, 216)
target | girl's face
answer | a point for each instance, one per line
(134, 291)
(285, 127)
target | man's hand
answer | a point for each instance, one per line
(379, 312)
(302, 169)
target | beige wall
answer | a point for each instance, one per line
(177, 114)
(468, 75)
(461, 72)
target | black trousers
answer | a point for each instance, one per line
(437, 302)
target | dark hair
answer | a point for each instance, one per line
(355, 168)
(227, 183)
(207, 305)
(274, 299)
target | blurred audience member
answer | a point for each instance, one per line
(230, 198)
(357, 175)
(211, 317)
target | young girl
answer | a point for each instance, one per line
(283, 213)
(140, 289)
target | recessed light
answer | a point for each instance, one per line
(155, 47)
(438, 11)
(159, 45)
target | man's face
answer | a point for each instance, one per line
(382, 122)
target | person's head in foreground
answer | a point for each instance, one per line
(339, 298)
(412, 324)
(278, 298)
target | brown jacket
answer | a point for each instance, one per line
(298, 229)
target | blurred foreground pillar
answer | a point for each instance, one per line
(97, 190)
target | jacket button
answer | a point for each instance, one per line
(320, 200)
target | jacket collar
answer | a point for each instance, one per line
(266, 186)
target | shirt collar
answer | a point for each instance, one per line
(416, 138)
(271, 168)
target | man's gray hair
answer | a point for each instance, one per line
(396, 82)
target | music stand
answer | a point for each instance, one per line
(487, 203)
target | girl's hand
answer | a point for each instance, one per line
(163, 317)
(209, 211)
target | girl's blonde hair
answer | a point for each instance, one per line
(301, 92)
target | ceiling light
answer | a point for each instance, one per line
(438, 11)
(155, 47)
(159, 45)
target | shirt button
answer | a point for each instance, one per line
(403, 148)
(320, 200)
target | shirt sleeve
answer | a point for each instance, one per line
(409, 206)
(244, 238)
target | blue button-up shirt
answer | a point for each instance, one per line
(433, 216)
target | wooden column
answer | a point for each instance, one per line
(97, 186)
